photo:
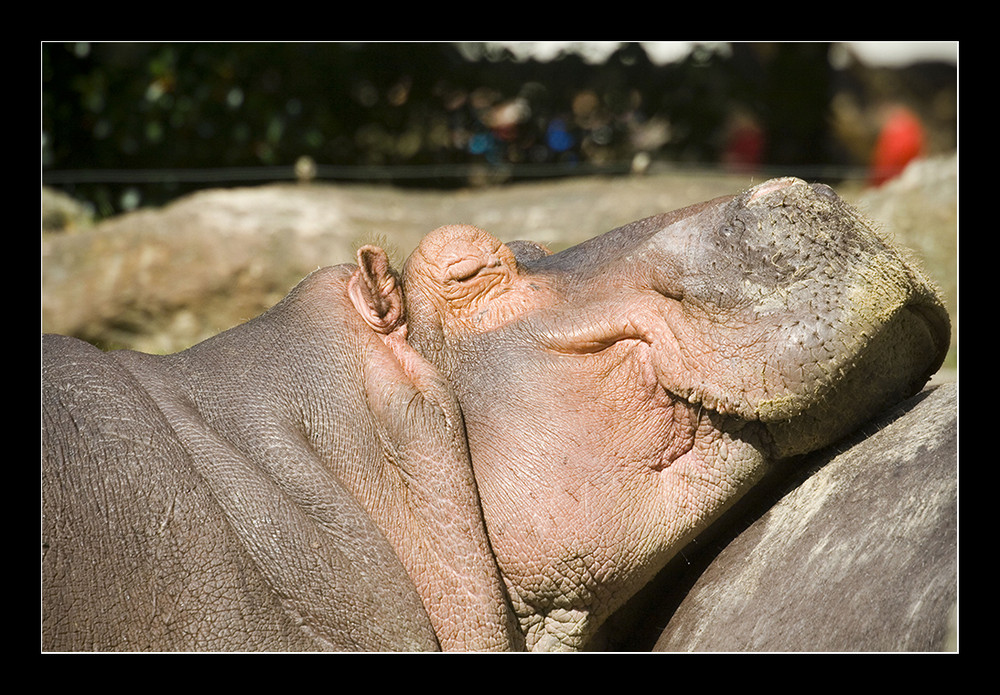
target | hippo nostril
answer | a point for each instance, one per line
(769, 187)
(825, 191)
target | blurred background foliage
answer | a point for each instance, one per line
(129, 124)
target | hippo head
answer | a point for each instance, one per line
(620, 394)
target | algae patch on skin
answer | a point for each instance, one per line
(781, 407)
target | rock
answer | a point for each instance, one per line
(62, 213)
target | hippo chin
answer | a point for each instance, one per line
(494, 449)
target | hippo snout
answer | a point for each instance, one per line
(782, 298)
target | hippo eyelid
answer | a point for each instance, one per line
(467, 268)
(463, 270)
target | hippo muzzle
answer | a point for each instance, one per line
(769, 303)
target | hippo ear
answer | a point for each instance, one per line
(375, 291)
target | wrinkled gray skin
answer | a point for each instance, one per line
(522, 438)
(240, 494)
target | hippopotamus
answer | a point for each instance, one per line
(493, 448)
